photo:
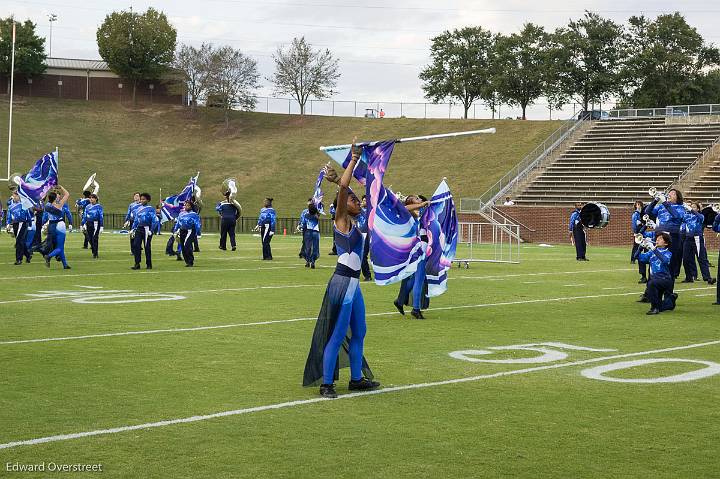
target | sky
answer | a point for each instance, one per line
(382, 45)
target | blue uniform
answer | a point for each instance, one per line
(343, 307)
(637, 225)
(266, 222)
(670, 217)
(416, 283)
(660, 287)
(56, 231)
(301, 227)
(716, 228)
(93, 217)
(229, 215)
(694, 246)
(188, 223)
(81, 204)
(578, 233)
(311, 236)
(145, 223)
(20, 219)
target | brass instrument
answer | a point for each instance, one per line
(661, 197)
(92, 185)
(229, 190)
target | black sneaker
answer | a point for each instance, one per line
(653, 311)
(47, 260)
(328, 391)
(399, 307)
(643, 299)
(136, 267)
(188, 265)
(234, 248)
(367, 278)
(18, 262)
(417, 314)
(312, 265)
(642, 281)
(688, 280)
(307, 264)
(95, 256)
(28, 259)
(711, 281)
(363, 384)
(716, 303)
(178, 258)
(148, 267)
(66, 267)
(197, 250)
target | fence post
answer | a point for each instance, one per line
(288, 106)
(425, 104)
(355, 108)
(401, 109)
(333, 108)
(449, 110)
(267, 105)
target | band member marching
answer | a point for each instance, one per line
(17, 221)
(80, 206)
(145, 224)
(311, 236)
(302, 225)
(637, 224)
(189, 228)
(670, 213)
(694, 245)
(266, 225)
(130, 215)
(343, 306)
(229, 214)
(92, 223)
(577, 234)
(716, 228)
(56, 214)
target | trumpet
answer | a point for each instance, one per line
(715, 207)
(92, 185)
(639, 238)
(659, 196)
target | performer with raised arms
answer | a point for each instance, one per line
(92, 223)
(660, 286)
(415, 283)
(55, 211)
(144, 225)
(343, 306)
(637, 225)
(694, 245)
(670, 213)
(17, 221)
(189, 227)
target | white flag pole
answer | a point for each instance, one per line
(488, 131)
(12, 88)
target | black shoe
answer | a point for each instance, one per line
(399, 307)
(47, 260)
(95, 256)
(363, 384)
(688, 280)
(632, 262)
(66, 267)
(711, 281)
(179, 258)
(220, 247)
(653, 311)
(642, 281)
(328, 391)
(85, 247)
(57, 258)
(136, 267)
(28, 259)
(332, 253)
(234, 248)
(188, 265)
(367, 278)
(307, 265)
(716, 303)
(643, 299)
(197, 250)
(300, 255)
(148, 267)
(312, 265)
(417, 314)
(18, 262)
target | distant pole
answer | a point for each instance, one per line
(51, 18)
(12, 91)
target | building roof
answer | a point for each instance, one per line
(77, 64)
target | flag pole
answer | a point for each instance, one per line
(488, 131)
(12, 88)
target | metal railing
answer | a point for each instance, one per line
(520, 171)
(671, 111)
(488, 243)
(688, 175)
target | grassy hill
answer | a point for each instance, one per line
(270, 155)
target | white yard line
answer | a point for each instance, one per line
(293, 320)
(303, 402)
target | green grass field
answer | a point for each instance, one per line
(232, 335)
(270, 155)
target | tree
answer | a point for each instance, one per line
(302, 72)
(460, 67)
(137, 47)
(588, 55)
(523, 61)
(233, 77)
(29, 49)
(194, 67)
(668, 61)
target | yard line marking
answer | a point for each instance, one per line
(88, 287)
(572, 285)
(302, 402)
(704, 295)
(294, 320)
(531, 282)
(618, 287)
(547, 273)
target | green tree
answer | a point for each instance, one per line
(232, 79)
(460, 67)
(588, 56)
(523, 61)
(29, 49)
(193, 65)
(667, 63)
(303, 72)
(137, 46)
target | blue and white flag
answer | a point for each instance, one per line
(318, 194)
(441, 223)
(43, 176)
(342, 157)
(173, 205)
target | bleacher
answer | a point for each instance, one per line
(616, 161)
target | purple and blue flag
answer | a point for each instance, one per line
(441, 223)
(43, 176)
(173, 205)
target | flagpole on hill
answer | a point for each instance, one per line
(12, 88)
(487, 131)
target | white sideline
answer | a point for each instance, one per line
(294, 320)
(302, 402)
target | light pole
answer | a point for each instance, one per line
(51, 18)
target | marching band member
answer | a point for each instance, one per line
(189, 227)
(660, 286)
(145, 224)
(229, 215)
(56, 214)
(343, 305)
(716, 228)
(333, 251)
(266, 225)
(80, 206)
(311, 236)
(694, 245)
(670, 213)
(16, 222)
(130, 215)
(416, 283)
(577, 233)
(92, 223)
(637, 223)
(301, 228)
(362, 219)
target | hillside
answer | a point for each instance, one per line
(273, 155)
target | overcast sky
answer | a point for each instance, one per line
(382, 46)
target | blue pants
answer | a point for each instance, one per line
(20, 229)
(676, 248)
(418, 284)
(694, 247)
(311, 239)
(642, 267)
(59, 242)
(352, 315)
(580, 242)
(29, 240)
(659, 289)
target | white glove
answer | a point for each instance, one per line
(83, 228)
(126, 225)
(257, 228)
(9, 229)
(44, 228)
(272, 233)
(69, 228)
(651, 224)
(132, 234)
(102, 228)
